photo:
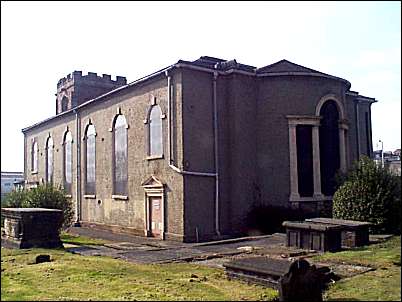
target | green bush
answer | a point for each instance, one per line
(43, 196)
(15, 199)
(370, 193)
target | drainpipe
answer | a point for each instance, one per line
(170, 146)
(78, 179)
(216, 156)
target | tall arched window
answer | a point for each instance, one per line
(120, 156)
(49, 160)
(90, 160)
(155, 131)
(329, 146)
(34, 157)
(68, 158)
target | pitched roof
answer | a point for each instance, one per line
(286, 66)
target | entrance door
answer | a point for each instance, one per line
(155, 216)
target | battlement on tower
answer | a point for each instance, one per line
(76, 88)
(90, 77)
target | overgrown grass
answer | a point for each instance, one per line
(383, 284)
(74, 277)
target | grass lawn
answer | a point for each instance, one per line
(74, 277)
(80, 240)
(383, 284)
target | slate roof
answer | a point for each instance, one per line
(286, 66)
(219, 64)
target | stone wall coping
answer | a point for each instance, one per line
(343, 222)
(30, 210)
(311, 225)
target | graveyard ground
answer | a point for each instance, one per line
(75, 277)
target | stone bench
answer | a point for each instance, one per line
(313, 235)
(353, 234)
(295, 280)
(31, 227)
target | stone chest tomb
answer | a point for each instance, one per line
(313, 236)
(354, 233)
(31, 227)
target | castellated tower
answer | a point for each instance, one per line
(76, 89)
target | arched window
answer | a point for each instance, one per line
(64, 104)
(68, 166)
(329, 146)
(49, 160)
(120, 156)
(155, 131)
(34, 157)
(90, 160)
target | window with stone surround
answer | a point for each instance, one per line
(67, 155)
(120, 156)
(90, 160)
(155, 132)
(34, 156)
(49, 160)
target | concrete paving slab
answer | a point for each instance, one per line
(161, 256)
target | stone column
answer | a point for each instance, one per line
(294, 186)
(316, 162)
(342, 148)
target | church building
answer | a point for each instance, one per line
(186, 152)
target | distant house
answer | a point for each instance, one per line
(392, 160)
(9, 181)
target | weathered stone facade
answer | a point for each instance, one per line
(230, 136)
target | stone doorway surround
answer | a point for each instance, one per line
(153, 187)
(314, 121)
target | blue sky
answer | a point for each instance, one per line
(42, 42)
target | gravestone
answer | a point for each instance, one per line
(295, 280)
(31, 227)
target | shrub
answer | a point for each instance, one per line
(43, 196)
(15, 199)
(48, 196)
(370, 193)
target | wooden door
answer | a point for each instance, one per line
(155, 210)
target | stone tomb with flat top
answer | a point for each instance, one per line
(31, 227)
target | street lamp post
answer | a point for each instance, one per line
(382, 152)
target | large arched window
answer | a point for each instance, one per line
(49, 160)
(90, 160)
(329, 146)
(155, 131)
(34, 157)
(120, 155)
(68, 158)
